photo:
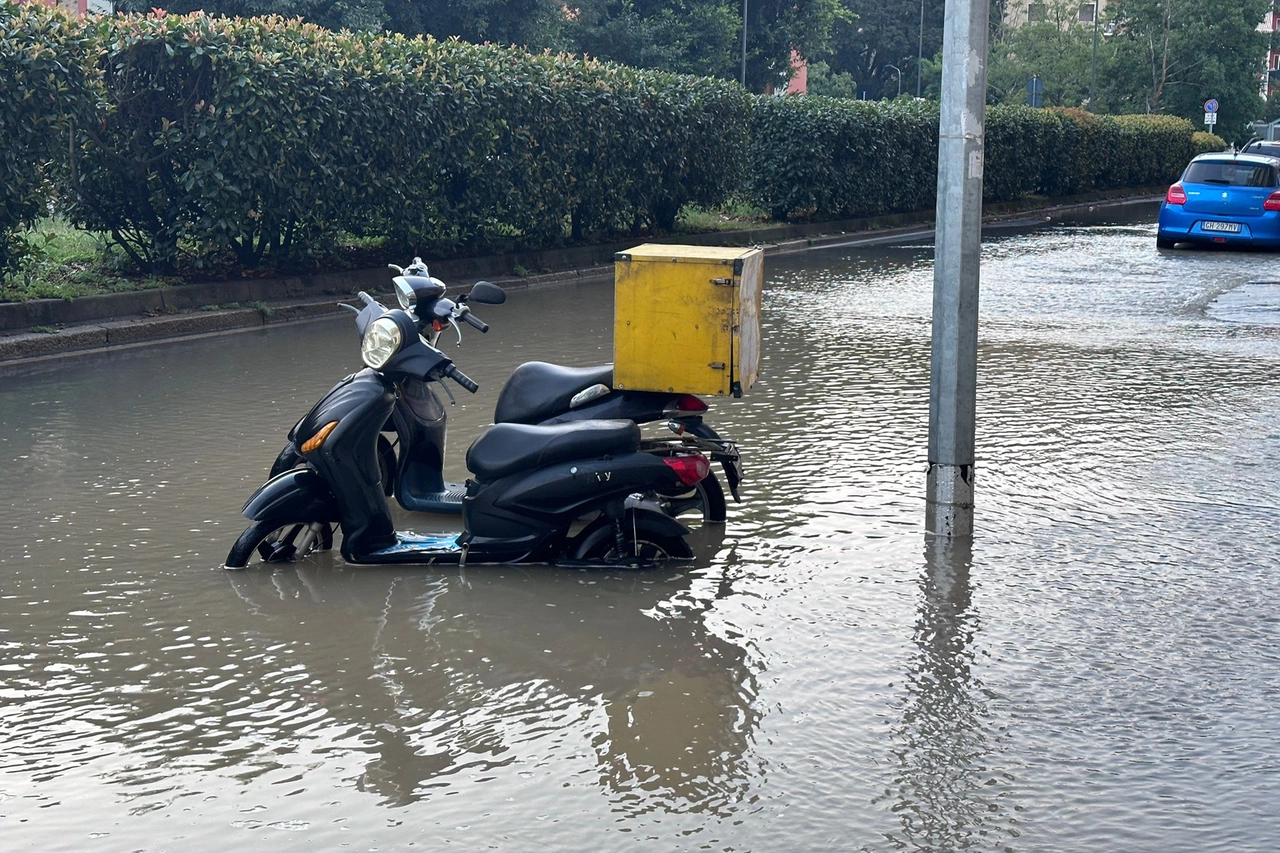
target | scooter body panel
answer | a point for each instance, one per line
(294, 495)
(421, 421)
(348, 459)
(640, 406)
(569, 487)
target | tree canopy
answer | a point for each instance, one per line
(1152, 56)
(1173, 55)
(688, 36)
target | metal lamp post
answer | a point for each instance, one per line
(744, 42)
(897, 71)
(1093, 66)
(919, 50)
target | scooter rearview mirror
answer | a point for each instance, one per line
(487, 293)
(404, 293)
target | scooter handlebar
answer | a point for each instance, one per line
(475, 322)
(461, 378)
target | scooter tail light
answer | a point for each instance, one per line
(318, 439)
(1175, 195)
(687, 404)
(690, 469)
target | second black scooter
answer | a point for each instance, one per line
(559, 493)
(411, 447)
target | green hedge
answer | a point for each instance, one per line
(42, 84)
(825, 158)
(193, 139)
(263, 136)
(834, 158)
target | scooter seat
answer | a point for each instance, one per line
(508, 448)
(537, 390)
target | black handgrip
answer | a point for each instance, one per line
(472, 320)
(461, 378)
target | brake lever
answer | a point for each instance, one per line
(456, 328)
(448, 392)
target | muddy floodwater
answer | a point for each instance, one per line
(1096, 671)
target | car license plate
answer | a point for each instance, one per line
(1228, 227)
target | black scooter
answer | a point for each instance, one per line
(411, 447)
(540, 493)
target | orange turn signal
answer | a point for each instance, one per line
(318, 439)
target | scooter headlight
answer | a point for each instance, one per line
(382, 340)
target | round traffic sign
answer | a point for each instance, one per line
(1211, 105)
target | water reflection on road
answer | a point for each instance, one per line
(1093, 671)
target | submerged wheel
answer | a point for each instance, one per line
(703, 503)
(272, 542)
(642, 542)
(1165, 243)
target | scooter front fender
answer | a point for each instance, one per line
(296, 495)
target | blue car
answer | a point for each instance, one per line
(1224, 199)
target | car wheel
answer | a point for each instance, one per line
(1165, 242)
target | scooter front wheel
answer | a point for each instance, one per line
(273, 542)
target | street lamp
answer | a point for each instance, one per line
(744, 42)
(897, 71)
(1093, 65)
(919, 51)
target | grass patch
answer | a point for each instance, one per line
(64, 262)
(732, 217)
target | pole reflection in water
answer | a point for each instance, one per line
(946, 796)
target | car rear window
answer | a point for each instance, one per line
(1231, 173)
(1270, 149)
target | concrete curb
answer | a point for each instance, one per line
(94, 324)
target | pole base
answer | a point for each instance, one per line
(949, 501)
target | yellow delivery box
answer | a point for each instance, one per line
(687, 318)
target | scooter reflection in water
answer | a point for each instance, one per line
(488, 669)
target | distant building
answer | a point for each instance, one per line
(1037, 11)
(1271, 73)
(799, 82)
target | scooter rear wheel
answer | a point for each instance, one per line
(272, 542)
(703, 503)
(642, 544)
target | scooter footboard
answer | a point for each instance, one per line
(299, 494)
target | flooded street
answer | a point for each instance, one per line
(1096, 671)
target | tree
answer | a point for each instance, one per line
(535, 24)
(705, 36)
(688, 37)
(1058, 49)
(1173, 55)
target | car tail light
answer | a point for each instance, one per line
(1175, 195)
(690, 469)
(1272, 202)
